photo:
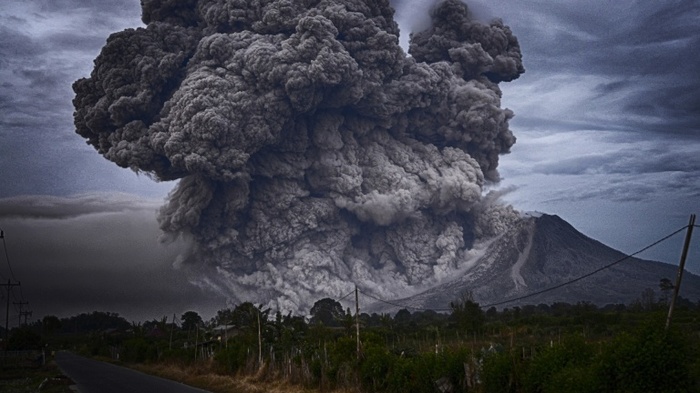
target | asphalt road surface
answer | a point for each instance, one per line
(93, 376)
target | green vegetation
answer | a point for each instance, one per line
(46, 378)
(545, 348)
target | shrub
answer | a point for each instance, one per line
(649, 360)
(570, 359)
(501, 373)
(24, 339)
(233, 358)
(138, 350)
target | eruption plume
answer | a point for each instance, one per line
(312, 152)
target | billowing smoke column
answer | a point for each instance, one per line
(313, 153)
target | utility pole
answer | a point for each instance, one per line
(681, 267)
(196, 341)
(25, 314)
(9, 286)
(357, 322)
(19, 316)
(225, 332)
(170, 345)
(260, 359)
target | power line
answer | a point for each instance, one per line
(7, 257)
(14, 296)
(541, 291)
(12, 273)
(588, 274)
(402, 305)
(350, 293)
(9, 286)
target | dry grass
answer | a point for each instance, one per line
(203, 377)
(28, 380)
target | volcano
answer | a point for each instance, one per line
(543, 251)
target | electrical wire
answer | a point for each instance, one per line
(403, 305)
(7, 257)
(341, 299)
(541, 291)
(587, 274)
(9, 265)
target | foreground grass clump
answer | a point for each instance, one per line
(45, 379)
(204, 377)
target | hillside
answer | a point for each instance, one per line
(543, 251)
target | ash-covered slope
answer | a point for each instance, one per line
(544, 251)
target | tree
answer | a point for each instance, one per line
(190, 320)
(50, 324)
(666, 287)
(402, 317)
(223, 317)
(246, 315)
(327, 312)
(252, 320)
(24, 338)
(467, 314)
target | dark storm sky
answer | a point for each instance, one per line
(607, 121)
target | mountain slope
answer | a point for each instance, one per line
(542, 252)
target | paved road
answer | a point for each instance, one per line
(93, 376)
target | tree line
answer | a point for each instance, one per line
(531, 348)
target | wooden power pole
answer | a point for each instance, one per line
(19, 318)
(681, 267)
(357, 322)
(25, 314)
(260, 359)
(172, 328)
(9, 286)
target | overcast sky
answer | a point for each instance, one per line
(607, 125)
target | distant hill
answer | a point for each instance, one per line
(543, 251)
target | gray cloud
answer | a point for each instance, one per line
(53, 207)
(643, 55)
(656, 159)
(659, 49)
(608, 111)
(97, 252)
(311, 150)
(628, 67)
(44, 47)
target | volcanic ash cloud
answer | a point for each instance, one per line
(312, 152)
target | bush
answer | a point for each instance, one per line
(374, 368)
(383, 371)
(574, 379)
(233, 358)
(501, 373)
(139, 350)
(416, 374)
(342, 358)
(561, 364)
(453, 367)
(24, 339)
(650, 360)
